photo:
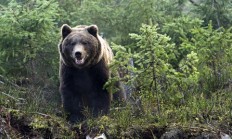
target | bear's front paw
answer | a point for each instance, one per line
(74, 118)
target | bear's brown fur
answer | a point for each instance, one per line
(84, 60)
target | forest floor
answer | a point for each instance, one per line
(16, 124)
(29, 113)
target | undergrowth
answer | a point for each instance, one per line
(26, 112)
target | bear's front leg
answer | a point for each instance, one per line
(73, 106)
(99, 103)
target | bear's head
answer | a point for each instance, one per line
(81, 46)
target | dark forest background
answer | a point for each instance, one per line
(174, 56)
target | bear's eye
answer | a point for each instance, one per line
(72, 43)
(84, 43)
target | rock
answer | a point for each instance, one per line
(173, 134)
(224, 136)
(102, 136)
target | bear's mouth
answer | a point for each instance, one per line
(79, 61)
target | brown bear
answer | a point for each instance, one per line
(84, 60)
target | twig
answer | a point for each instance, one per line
(4, 80)
(42, 114)
(194, 3)
(10, 96)
(39, 113)
(118, 108)
(8, 136)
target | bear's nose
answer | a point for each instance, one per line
(78, 55)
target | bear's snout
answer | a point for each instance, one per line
(78, 55)
(79, 58)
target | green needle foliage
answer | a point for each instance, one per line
(28, 38)
(153, 74)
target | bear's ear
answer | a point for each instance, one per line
(93, 30)
(65, 30)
